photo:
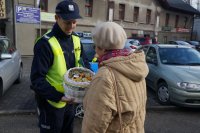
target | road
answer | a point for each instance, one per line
(177, 120)
(17, 112)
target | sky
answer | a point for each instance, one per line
(194, 3)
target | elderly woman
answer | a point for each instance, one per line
(116, 98)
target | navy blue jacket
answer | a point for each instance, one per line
(43, 60)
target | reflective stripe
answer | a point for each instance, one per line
(77, 50)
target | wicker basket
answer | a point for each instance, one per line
(75, 89)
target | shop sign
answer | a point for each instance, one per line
(166, 28)
(48, 17)
(29, 15)
(182, 30)
(2, 9)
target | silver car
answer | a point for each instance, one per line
(11, 66)
(174, 73)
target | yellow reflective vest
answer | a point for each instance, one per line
(55, 75)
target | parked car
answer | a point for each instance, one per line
(181, 43)
(88, 46)
(132, 43)
(145, 40)
(11, 66)
(196, 44)
(174, 74)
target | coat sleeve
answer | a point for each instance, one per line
(99, 106)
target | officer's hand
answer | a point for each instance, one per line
(67, 100)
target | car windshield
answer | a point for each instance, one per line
(179, 56)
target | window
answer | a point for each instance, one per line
(110, 10)
(176, 21)
(167, 19)
(121, 11)
(148, 16)
(88, 8)
(165, 39)
(136, 14)
(43, 5)
(185, 22)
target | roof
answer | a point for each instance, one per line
(178, 5)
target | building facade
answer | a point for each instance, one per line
(137, 17)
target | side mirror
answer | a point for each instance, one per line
(5, 56)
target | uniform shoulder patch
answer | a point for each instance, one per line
(47, 36)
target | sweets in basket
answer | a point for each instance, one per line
(75, 81)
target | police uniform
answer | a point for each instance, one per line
(54, 53)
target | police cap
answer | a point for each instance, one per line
(68, 10)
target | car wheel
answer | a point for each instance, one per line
(20, 75)
(163, 93)
(79, 111)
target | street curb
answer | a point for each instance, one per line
(161, 108)
(17, 112)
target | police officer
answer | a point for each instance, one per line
(54, 53)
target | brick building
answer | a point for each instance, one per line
(154, 18)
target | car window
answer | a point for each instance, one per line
(151, 55)
(4, 45)
(179, 56)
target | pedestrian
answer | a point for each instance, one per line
(116, 98)
(54, 53)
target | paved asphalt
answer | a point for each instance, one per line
(17, 106)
